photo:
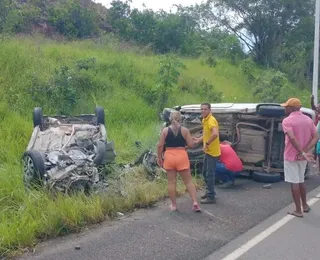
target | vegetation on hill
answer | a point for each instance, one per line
(277, 34)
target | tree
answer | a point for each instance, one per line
(262, 25)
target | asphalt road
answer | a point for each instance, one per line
(280, 237)
(159, 234)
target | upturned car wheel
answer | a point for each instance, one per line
(99, 112)
(33, 169)
(37, 116)
(100, 151)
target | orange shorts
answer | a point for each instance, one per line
(176, 159)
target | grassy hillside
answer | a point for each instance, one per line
(73, 77)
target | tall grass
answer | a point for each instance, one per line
(121, 83)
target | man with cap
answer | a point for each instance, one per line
(300, 137)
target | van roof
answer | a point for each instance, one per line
(223, 108)
(244, 108)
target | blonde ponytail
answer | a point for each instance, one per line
(175, 119)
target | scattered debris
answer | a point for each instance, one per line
(267, 186)
(119, 214)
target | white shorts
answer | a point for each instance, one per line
(294, 171)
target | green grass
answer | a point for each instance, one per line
(119, 83)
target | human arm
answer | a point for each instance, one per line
(187, 136)
(197, 140)
(213, 136)
(160, 146)
(313, 141)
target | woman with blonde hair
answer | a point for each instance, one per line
(175, 159)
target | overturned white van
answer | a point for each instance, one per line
(255, 131)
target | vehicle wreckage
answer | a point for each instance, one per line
(255, 131)
(67, 153)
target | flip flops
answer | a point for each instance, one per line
(172, 208)
(307, 210)
(295, 214)
(196, 208)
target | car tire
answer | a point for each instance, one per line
(33, 169)
(99, 112)
(271, 110)
(37, 116)
(266, 177)
(100, 150)
(195, 152)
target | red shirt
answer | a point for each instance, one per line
(230, 159)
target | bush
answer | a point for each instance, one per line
(267, 87)
(208, 92)
(168, 75)
(62, 92)
(248, 68)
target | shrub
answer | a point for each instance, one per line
(168, 75)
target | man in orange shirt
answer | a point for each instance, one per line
(228, 165)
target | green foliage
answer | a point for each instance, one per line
(208, 92)
(278, 34)
(72, 20)
(247, 68)
(168, 76)
(62, 92)
(268, 86)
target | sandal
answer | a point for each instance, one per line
(307, 210)
(172, 208)
(196, 208)
(295, 214)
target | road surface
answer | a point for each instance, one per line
(279, 237)
(159, 234)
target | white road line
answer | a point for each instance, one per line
(210, 214)
(264, 234)
(185, 235)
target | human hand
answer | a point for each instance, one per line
(306, 156)
(196, 140)
(160, 162)
(205, 148)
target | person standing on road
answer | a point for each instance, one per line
(211, 148)
(300, 137)
(175, 138)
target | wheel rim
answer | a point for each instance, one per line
(29, 169)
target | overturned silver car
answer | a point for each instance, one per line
(67, 153)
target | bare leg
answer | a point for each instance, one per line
(187, 179)
(172, 182)
(303, 195)
(295, 190)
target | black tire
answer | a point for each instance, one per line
(100, 115)
(33, 169)
(271, 110)
(195, 152)
(166, 114)
(37, 116)
(100, 150)
(266, 177)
